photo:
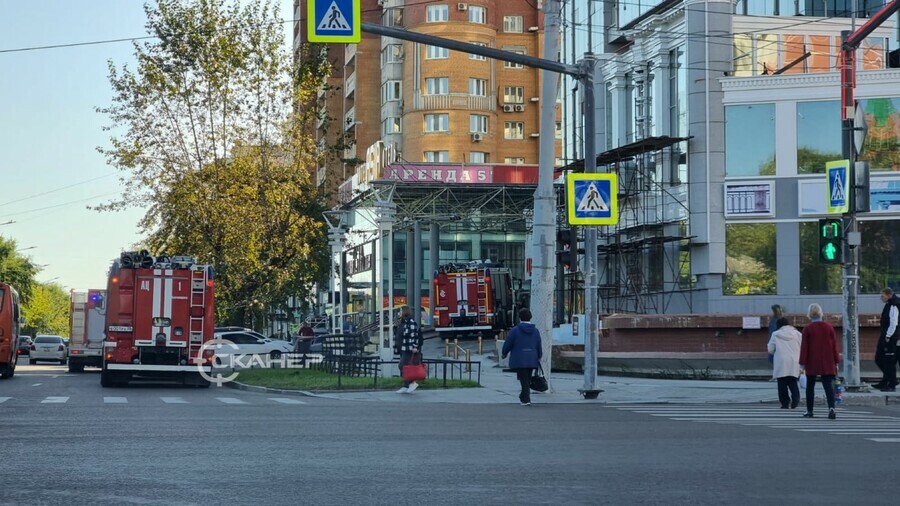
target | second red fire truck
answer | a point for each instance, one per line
(472, 298)
(159, 320)
(87, 317)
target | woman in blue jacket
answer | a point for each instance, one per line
(523, 346)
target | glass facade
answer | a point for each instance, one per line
(750, 259)
(818, 135)
(750, 140)
(882, 147)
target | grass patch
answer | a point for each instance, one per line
(311, 379)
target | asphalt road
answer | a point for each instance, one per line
(66, 440)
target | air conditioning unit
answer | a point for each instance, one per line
(507, 108)
(462, 7)
(535, 99)
(520, 108)
(476, 137)
(533, 28)
(536, 135)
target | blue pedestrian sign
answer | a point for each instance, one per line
(592, 199)
(837, 174)
(333, 21)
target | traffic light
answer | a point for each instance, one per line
(831, 232)
(567, 248)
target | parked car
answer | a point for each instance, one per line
(241, 344)
(24, 345)
(48, 347)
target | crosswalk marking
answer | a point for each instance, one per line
(115, 400)
(285, 400)
(230, 400)
(37, 384)
(173, 400)
(848, 423)
(4, 399)
(54, 400)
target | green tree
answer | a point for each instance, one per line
(47, 312)
(218, 145)
(16, 269)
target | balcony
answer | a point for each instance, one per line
(349, 54)
(350, 119)
(454, 101)
(350, 85)
(350, 152)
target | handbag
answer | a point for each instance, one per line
(415, 370)
(802, 381)
(538, 381)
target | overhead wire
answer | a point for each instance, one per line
(61, 188)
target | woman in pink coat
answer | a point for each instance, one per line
(819, 356)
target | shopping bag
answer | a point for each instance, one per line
(415, 370)
(802, 381)
(538, 381)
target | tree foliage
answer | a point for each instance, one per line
(15, 269)
(217, 144)
(47, 312)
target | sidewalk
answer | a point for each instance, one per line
(500, 387)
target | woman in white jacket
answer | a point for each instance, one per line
(785, 345)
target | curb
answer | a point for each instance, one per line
(266, 390)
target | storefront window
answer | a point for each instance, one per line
(750, 140)
(818, 135)
(882, 148)
(880, 249)
(750, 259)
(815, 277)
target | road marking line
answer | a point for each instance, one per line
(173, 400)
(37, 384)
(55, 400)
(230, 400)
(885, 439)
(115, 400)
(285, 400)
(4, 399)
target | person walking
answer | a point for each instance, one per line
(819, 356)
(777, 312)
(524, 349)
(784, 345)
(886, 347)
(407, 342)
(305, 337)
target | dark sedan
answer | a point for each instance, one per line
(24, 345)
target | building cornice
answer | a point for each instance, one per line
(817, 80)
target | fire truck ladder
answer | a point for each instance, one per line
(198, 299)
(481, 289)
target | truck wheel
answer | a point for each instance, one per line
(106, 379)
(75, 366)
(8, 371)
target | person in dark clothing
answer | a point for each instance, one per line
(523, 346)
(407, 341)
(886, 347)
(304, 338)
(819, 357)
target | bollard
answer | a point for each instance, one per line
(447, 347)
(480, 345)
(456, 349)
(468, 362)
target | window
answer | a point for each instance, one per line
(436, 53)
(518, 160)
(478, 157)
(818, 135)
(391, 91)
(514, 130)
(437, 85)
(750, 140)
(475, 56)
(559, 130)
(437, 13)
(390, 126)
(512, 24)
(393, 17)
(750, 259)
(392, 53)
(882, 146)
(478, 123)
(510, 65)
(477, 14)
(514, 94)
(437, 122)
(477, 87)
(437, 156)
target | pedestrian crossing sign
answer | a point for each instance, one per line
(333, 21)
(837, 174)
(591, 199)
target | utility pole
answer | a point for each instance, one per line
(850, 42)
(543, 282)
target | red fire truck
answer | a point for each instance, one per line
(159, 319)
(9, 330)
(472, 298)
(87, 317)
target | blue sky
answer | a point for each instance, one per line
(50, 169)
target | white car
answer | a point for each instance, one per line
(246, 348)
(48, 347)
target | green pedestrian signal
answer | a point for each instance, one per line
(831, 233)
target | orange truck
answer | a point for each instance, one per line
(10, 317)
(87, 317)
